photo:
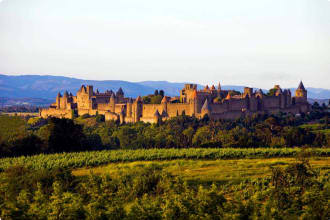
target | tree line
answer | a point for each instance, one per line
(19, 136)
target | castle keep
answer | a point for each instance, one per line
(211, 101)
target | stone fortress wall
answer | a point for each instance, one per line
(214, 102)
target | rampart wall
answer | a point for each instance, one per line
(270, 102)
(148, 110)
(175, 109)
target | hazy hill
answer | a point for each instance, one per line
(46, 87)
(35, 86)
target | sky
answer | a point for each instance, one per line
(256, 43)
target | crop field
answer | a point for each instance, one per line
(206, 171)
(33, 114)
(316, 128)
(97, 158)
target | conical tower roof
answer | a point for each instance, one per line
(59, 94)
(301, 86)
(157, 113)
(120, 91)
(228, 96)
(212, 87)
(83, 88)
(112, 96)
(206, 106)
(219, 86)
(206, 87)
(164, 114)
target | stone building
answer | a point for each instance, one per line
(211, 101)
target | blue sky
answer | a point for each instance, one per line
(255, 43)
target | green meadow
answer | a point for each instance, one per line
(206, 171)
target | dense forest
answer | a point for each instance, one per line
(20, 136)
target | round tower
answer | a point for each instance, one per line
(58, 100)
(137, 109)
(129, 107)
(194, 103)
(164, 103)
(122, 116)
(112, 102)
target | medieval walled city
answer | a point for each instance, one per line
(211, 101)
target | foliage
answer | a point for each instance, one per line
(62, 135)
(93, 133)
(294, 192)
(271, 92)
(84, 116)
(12, 128)
(100, 118)
(152, 99)
(96, 158)
(234, 92)
(217, 99)
(33, 121)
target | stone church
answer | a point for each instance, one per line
(214, 102)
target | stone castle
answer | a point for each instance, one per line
(211, 101)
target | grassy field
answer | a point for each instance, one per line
(316, 128)
(206, 171)
(33, 114)
(98, 158)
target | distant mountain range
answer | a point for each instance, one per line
(36, 89)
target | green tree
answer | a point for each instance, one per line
(202, 137)
(156, 99)
(65, 205)
(145, 208)
(39, 207)
(189, 134)
(127, 137)
(62, 135)
(146, 99)
(271, 92)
